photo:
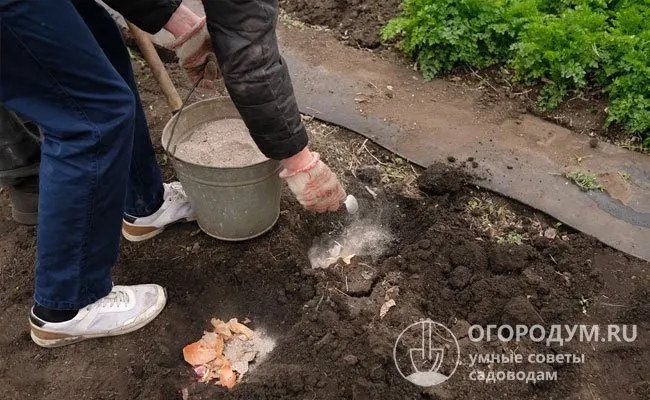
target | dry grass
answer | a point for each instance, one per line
(345, 152)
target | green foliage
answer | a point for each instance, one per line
(440, 34)
(627, 66)
(560, 50)
(561, 45)
(511, 239)
(584, 181)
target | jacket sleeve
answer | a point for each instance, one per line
(148, 15)
(256, 76)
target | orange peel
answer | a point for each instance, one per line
(197, 354)
(227, 376)
(208, 355)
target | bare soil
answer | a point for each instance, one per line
(359, 23)
(447, 260)
(584, 113)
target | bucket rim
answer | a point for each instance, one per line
(166, 132)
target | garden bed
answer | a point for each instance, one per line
(448, 252)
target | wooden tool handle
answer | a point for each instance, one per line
(152, 58)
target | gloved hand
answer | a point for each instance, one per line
(312, 182)
(195, 54)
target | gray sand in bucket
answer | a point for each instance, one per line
(224, 143)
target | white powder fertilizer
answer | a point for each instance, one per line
(361, 238)
(224, 143)
(253, 352)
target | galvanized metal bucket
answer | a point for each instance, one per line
(230, 203)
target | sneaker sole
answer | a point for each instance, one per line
(134, 233)
(49, 339)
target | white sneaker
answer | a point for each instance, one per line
(125, 309)
(175, 208)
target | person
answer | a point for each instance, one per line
(62, 69)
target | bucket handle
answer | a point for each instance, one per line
(176, 117)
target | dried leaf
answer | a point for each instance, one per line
(491, 231)
(391, 293)
(197, 354)
(221, 328)
(550, 233)
(372, 192)
(385, 307)
(236, 327)
(347, 260)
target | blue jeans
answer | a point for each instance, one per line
(63, 64)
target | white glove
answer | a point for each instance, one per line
(315, 186)
(196, 56)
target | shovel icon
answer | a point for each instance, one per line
(424, 355)
(426, 352)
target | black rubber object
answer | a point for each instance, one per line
(20, 150)
(24, 201)
(20, 154)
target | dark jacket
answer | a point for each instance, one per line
(148, 15)
(256, 76)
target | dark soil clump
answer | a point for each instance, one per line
(360, 21)
(440, 179)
